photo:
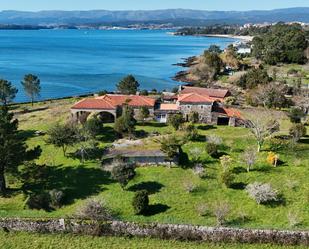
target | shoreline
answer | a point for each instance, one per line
(240, 37)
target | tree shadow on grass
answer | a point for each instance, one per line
(238, 185)
(206, 127)
(76, 182)
(239, 170)
(108, 135)
(156, 209)
(281, 201)
(26, 134)
(238, 221)
(151, 187)
(156, 125)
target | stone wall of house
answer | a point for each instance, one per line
(204, 111)
(160, 231)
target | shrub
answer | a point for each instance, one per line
(94, 126)
(199, 170)
(221, 211)
(297, 131)
(95, 210)
(212, 149)
(226, 162)
(230, 100)
(56, 198)
(175, 120)
(227, 178)
(214, 139)
(194, 117)
(191, 132)
(140, 202)
(262, 192)
(196, 154)
(189, 186)
(249, 157)
(38, 201)
(122, 172)
(202, 209)
(296, 114)
(272, 158)
(293, 219)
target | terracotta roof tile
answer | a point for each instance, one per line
(111, 101)
(215, 93)
(194, 98)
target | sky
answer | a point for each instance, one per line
(35, 5)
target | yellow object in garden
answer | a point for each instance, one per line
(272, 158)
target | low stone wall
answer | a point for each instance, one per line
(160, 231)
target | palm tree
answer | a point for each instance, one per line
(32, 86)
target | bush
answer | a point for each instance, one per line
(95, 210)
(189, 186)
(293, 219)
(199, 170)
(225, 162)
(94, 126)
(175, 120)
(194, 117)
(262, 192)
(296, 114)
(38, 201)
(140, 202)
(221, 211)
(227, 178)
(123, 172)
(56, 198)
(212, 149)
(202, 209)
(191, 132)
(230, 100)
(297, 131)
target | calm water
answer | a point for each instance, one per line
(73, 62)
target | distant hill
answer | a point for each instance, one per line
(173, 16)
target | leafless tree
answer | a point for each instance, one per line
(249, 157)
(262, 124)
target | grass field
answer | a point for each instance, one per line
(169, 201)
(39, 241)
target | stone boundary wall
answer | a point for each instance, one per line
(160, 231)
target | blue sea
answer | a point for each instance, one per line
(75, 62)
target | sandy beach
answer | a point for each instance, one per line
(244, 38)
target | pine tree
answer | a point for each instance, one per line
(13, 150)
(32, 86)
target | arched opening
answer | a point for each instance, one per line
(106, 117)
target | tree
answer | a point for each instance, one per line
(13, 150)
(281, 44)
(32, 86)
(122, 172)
(128, 85)
(62, 136)
(125, 124)
(249, 157)
(214, 49)
(171, 146)
(262, 125)
(296, 114)
(93, 126)
(213, 60)
(297, 131)
(253, 78)
(140, 202)
(271, 95)
(7, 92)
(143, 113)
(175, 120)
(262, 192)
(194, 117)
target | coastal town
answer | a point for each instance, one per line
(217, 157)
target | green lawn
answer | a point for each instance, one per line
(39, 241)
(169, 201)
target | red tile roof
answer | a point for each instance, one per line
(194, 98)
(230, 112)
(214, 93)
(110, 102)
